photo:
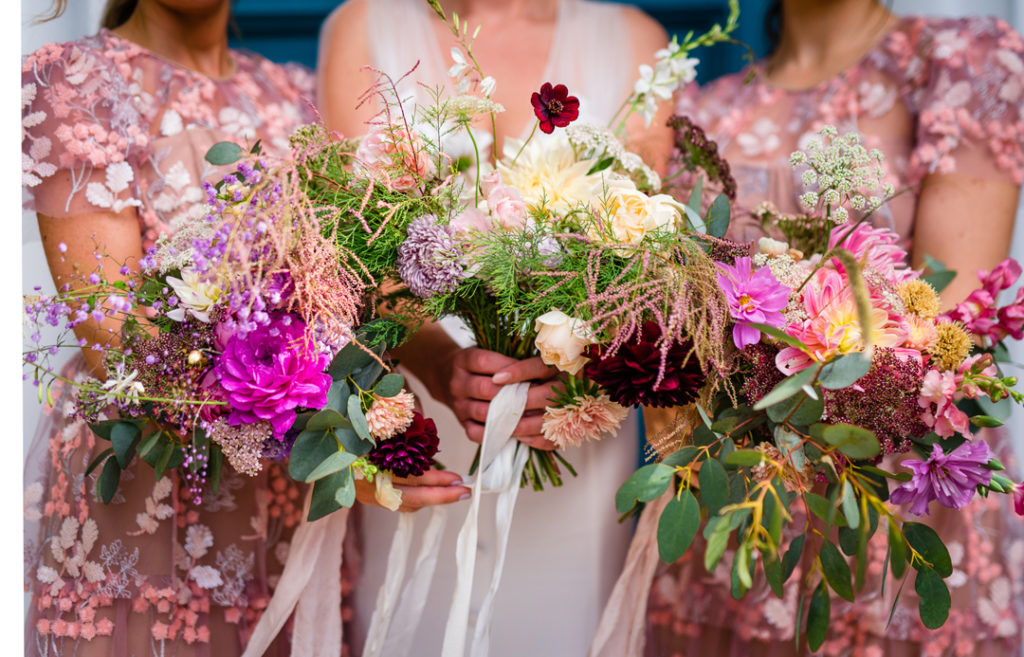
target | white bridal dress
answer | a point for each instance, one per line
(566, 545)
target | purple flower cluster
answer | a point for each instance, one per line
(949, 478)
(270, 371)
(429, 260)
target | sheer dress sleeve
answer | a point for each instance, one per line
(82, 138)
(970, 117)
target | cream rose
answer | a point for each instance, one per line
(561, 341)
(629, 214)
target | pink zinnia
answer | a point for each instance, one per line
(948, 478)
(588, 418)
(390, 416)
(753, 297)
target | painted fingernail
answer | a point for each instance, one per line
(501, 377)
(464, 496)
(466, 481)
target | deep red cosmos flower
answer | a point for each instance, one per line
(554, 107)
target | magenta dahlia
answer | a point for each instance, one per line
(554, 107)
(630, 375)
(410, 453)
(271, 371)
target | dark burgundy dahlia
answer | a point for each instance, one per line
(410, 453)
(554, 107)
(629, 376)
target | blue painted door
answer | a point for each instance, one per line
(288, 31)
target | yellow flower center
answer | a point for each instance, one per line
(746, 303)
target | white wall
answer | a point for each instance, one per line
(82, 17)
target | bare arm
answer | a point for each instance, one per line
(72, 244)
(967, 223)
(341, 77)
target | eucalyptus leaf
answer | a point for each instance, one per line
(748, 457)
(352, 443)
(714, 486)
(337, 395)
(850, 509)
(934, 602)
(836, 570)
(644, 485)
(677, 526)
(817, 617)
(122, 438)
(311, 448)
(331, 464)
(718, 216)
(358, 418)
(928, 544)
(223, 153)
(856, 442)
(791, 559)
(322, 500)
(346, 494)
(350, 358)
(682, 457)
(897, 550)
(326, 420)
(98, 459)
(844, 371)
(389, 385)
(786, 388)
(716, 544)
(109, 477)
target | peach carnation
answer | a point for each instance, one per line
(390, 416)
(589, 417)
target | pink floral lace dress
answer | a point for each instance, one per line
(109, 125)
(935, 96)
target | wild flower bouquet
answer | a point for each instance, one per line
(243, 338)
(846, 364)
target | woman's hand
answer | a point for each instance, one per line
(432, 488)
(476, 377)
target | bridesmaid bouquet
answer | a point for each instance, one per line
(846, 364)
(243, 339)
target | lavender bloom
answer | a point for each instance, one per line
(270, 371)
(949, 478)
(752, 297)
(429, 259)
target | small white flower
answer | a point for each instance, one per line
(122, 387)
(206, 577)
(488, 85)
(460, 66)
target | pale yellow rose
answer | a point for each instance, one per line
(561, 341)
(628, 215)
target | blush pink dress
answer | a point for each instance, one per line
(935, 96)
(109, 125)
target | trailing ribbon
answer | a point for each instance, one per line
(380, 639)
(315, 550)
(502, 460)
(620, 632)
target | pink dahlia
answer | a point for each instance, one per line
(271, 371)
(949, 478)
(588, 418)
(753, 297)
(879, 247)
(390, 415)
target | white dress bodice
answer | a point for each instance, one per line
(566, 545)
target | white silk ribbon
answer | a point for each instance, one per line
(502, 460)
(309, 586)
